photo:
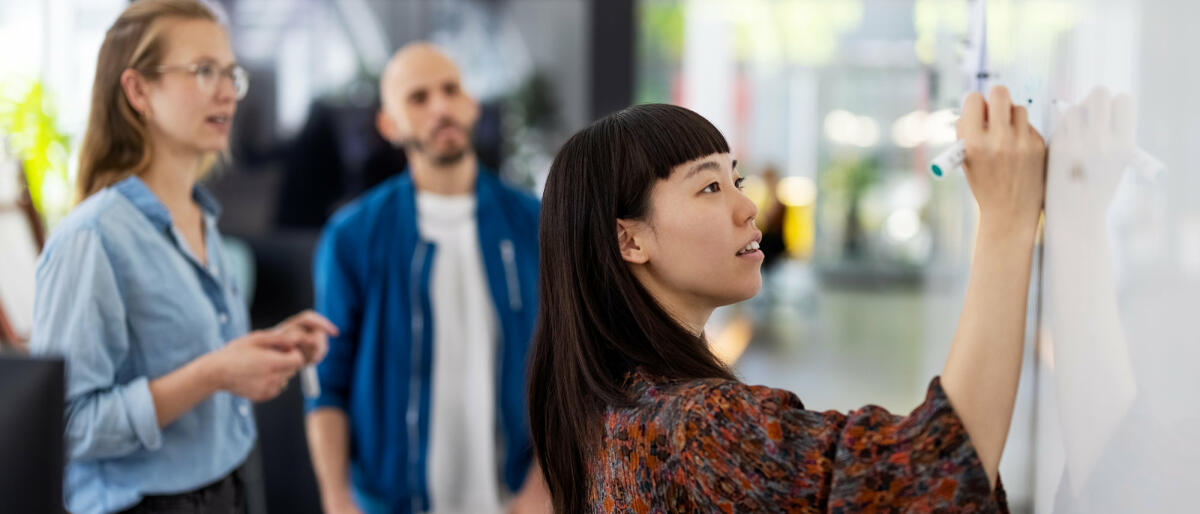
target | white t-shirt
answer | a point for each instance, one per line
(462, 436)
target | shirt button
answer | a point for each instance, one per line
(244, 409)
(223, 318)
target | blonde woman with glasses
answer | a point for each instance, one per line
(134, 291)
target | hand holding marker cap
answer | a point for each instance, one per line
(953, 157)
(309, 384)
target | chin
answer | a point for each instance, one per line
(213, 145)
(450, 157)
(750, 292)
(741, 293)
(753, 288)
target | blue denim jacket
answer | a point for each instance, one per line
(123, 301)
(371, 279)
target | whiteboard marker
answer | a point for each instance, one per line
(309, 385)
(949, 159)
(1145, 164)
(952, 157)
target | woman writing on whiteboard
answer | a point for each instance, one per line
(644, 232)
(133, 289)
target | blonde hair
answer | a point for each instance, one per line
(115, 144)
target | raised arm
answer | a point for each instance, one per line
(1005, 166)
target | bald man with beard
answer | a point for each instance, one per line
(432, 278)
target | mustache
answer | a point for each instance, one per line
(446, 123)
(415, 142)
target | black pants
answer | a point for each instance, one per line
(226, 496)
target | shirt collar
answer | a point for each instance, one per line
(134, 190)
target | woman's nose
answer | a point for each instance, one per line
(745, 210)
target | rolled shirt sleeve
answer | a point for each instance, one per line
(79, 315)
(338, 298)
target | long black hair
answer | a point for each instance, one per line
(596, 322)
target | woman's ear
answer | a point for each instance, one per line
(134, 87)
(631, 241)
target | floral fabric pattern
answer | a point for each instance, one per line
(723, 446)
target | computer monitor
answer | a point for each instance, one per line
(31, 434)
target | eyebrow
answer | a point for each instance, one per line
(208, 59)
(707, 165)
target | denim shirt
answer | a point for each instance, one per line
(119, 296)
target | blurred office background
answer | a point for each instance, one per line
(833, 108)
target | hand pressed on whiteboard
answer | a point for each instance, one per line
(1090, 148)
(1005, 160)
(1094, 382)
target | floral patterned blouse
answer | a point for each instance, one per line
(722, 446)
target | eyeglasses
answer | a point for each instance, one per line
(208, 76)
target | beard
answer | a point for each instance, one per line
(449, 158)
(445, 157)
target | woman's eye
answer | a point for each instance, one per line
(738, 183)
(712, 188)
(205, 71)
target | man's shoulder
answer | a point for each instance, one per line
(511, 196)
(370, 208)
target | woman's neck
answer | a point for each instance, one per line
(171, 176)
(692, 315)
(692, 320)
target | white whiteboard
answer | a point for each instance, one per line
(1118, 358)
